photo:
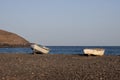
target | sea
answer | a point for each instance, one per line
(109, 50)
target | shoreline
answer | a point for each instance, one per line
(59, 67)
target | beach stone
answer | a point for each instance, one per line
(9, 39)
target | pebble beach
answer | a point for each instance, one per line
(58, 67)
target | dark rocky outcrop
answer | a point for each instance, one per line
(8, 39)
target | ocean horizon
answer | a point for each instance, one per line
(109, 50)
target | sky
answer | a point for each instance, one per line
(63, 22)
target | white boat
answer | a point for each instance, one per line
(95, 51)
(39, 48)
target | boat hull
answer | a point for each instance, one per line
(97, 52)
(40, 49)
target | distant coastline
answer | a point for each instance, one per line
(8, 39)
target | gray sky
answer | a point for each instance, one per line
(63, 22)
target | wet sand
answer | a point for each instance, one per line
(58, 67)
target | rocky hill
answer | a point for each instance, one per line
(8, 39)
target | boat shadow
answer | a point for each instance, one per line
(83, 55)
